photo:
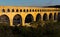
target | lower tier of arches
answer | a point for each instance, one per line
(17, 19)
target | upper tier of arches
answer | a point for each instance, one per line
(26, 9)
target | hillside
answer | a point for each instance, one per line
(54, 6)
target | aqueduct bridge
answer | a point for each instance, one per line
(22, 15)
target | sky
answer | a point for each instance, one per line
(29, 2)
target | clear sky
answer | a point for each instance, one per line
(29, 2)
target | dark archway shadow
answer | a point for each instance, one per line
(38, 17)
(29, 18)
(58, 17)
(54, 16)
(45, 17)
(50, 16)
(5, 20)
(17, 20)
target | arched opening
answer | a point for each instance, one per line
(24, 10)
(30, 10)
(5, 20)
(20, 10)
(38, 17)
(54, 16)
(17, 10)
(27, 10)
(50, 16)
(17, 20)
(33, 10)
(58, 16)
(29, 18)
(45, 17)
(8, 10)
(38, 10)
(12, 10)
(3, 10)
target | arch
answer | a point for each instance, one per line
(30, 10)
(29, 18)
(27, 10)
(58, 16)
(12, 10)
(38, 10)
(17, 19)
(54, 16)
(5, 19)
(3, 10)
(45, 17)
(38, 17)
(33, 10)
(17, 10)
(50, 16)
(8, 10)
(20, 10)
(24, 10)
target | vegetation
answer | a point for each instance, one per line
(37, 29)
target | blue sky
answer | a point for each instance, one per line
(29, 2)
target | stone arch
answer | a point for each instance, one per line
(12, 10)
(50, 16)
(17, 19)
(3, 10)
(54, 16)
(29, 18)
(45, 17)
(27, 10)
(8, 10)
(24, 10)
(58, 16)
(21, 10)
(17, 10)
(5, 19)
(38, 17)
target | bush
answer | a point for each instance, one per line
(50, 29)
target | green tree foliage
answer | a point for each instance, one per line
(37, 29)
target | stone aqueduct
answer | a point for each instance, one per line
(23, 15)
